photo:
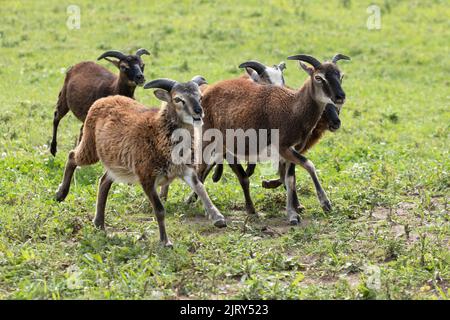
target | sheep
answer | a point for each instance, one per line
(328, 121)
(259, 73)
(135, 143)
(240, 104)
(87, 81)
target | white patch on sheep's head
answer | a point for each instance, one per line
(262, 74)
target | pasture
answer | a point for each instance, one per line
(386, 170)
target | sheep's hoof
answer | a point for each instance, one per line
(251, 211)
(293, 217)
(100, 225)
(53, 150)
(253, 217)
(220, 223)
(294, 221)
(61, 194)
(216, 177)
(300, 208)
(326, 205)
(168, 244)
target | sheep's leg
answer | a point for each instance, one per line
(289, 179)
(218, 172)
(150, 190)
(203, 171)
(80, 135)
(292, 155)
(275, 183)
(296, 202)
(245, 184)
(164, 192)
(104, 186)
(64, 187)
(250, 169)
(60, 112)
(272, 184)
(190, 176)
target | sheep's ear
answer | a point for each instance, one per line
(163, 95)
(309, 70)
(253, 74)
(114, 62)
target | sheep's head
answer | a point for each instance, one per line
(326, 79)
(264, 74)
(131, 66)
(184, 97)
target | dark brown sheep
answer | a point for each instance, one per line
(241, 104)
(88, 81)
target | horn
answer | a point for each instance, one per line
(199, 80)
(255, 65)
(163, 83)
(309, 59)
(112, 54)
(338, 57)
(142, 51)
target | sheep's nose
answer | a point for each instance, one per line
(198, 110)
(340, 97)
(337, 123)
(140, 78)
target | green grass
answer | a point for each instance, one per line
(386, 170)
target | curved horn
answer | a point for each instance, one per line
(255, 65)
(199, 80)
(309, 59)
(338, 57)
(142, 51)
(163, 83)
(112, 54)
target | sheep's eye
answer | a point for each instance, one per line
(178, 100)
(318, 78)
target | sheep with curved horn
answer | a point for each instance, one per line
(329, 121)
(87, 81)
(135, 145)
(295, 113)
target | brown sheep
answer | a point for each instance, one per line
(87, 81)
(135, 144)
(241, 104)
